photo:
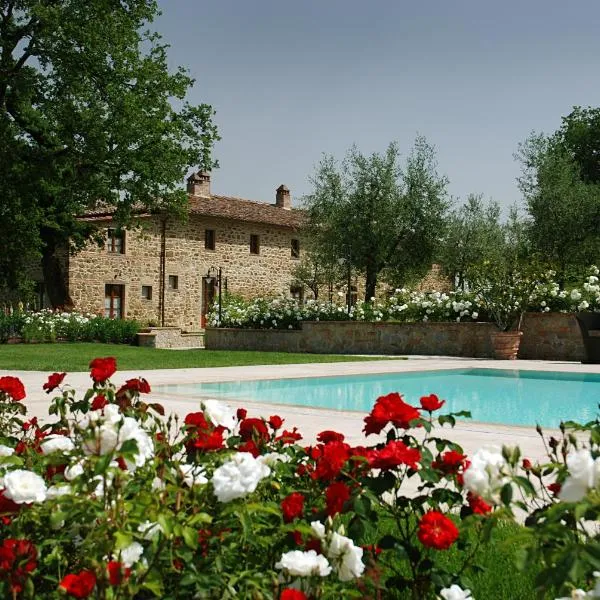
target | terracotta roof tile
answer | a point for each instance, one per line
(246, 210)
(230, 207)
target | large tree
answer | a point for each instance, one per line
(563, 206)
(90, 115)
(474, 234)
(377, 215)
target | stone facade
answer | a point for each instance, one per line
(162, 272)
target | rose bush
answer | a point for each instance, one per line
(113, 499)
(493, 298)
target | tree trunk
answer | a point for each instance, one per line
(370, 284)
(55, 278)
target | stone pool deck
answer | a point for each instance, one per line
(310, 421)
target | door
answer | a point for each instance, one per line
(208, 298)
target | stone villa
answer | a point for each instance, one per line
(167, 272)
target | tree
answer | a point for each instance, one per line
(473, 234)
(87, 120)
(564, 209)
(378, 216)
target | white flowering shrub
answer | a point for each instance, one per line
(408, 306)
(47, 325)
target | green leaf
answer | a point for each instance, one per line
(506, 494)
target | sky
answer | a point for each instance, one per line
(293, 79)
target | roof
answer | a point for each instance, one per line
(229, 207)
(240, 209)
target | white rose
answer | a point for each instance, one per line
(56, 491)
(346, 557)
(219, 413)
(24, 487)
(131, 554)
(73, 471)
(238, 477)
(272, 458)
(6, 450)
(454, 592)
(583, 475)
(193, 474)
(575, 295)
(319, 529)
(150, 530)
(304, 564)
(56, 443)
(484, 475)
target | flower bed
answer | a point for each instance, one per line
(50, 326)
(407, 306)
(115, 500)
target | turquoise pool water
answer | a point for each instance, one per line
(509, 397)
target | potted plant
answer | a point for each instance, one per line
(504, 291)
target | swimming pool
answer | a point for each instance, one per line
(511, 397)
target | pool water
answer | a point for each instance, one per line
(510, 397)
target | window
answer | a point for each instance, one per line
(209, 239)
(113, 300)
(115, 241)
(353, 295)
(254, 244)
(147, 292)
(173, 282)
(295, 248)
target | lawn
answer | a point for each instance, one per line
(72, 357)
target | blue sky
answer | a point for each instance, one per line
(293, 79)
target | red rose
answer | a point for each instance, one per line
(103, 368)
(292, 594)
(330, 436)
(7, 505)
(394, 454)
(275, 422)
(117, 573)
(17, 560)
(332, 459)
(250, 447)
(253, 430)
(197, 420)
(437, 531)
(139, 385)
(292, 506)
(289, 437)
(390, 409)
(554, 487)
(431, 402)
(451, 462)
(99, 403)
(12, 387)
(526, 464)
(53, 382)
(241, 414)
(335, 496)
(78, 585)
(478, 505)
(209, 440)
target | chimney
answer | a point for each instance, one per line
(198, 184)
(283, 198)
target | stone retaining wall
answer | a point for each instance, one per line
(169, 337)
(546, 336)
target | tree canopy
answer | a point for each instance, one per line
(90, 115)
(381, 217)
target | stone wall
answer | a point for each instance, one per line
(348, 337)
(551, 336)
(169, 337)
(546, 336)
(268, 272)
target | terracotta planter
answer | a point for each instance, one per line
(506, 344)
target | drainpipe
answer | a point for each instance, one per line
(161, 280)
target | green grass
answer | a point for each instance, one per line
(72, 357)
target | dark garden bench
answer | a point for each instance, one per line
(589, 323)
